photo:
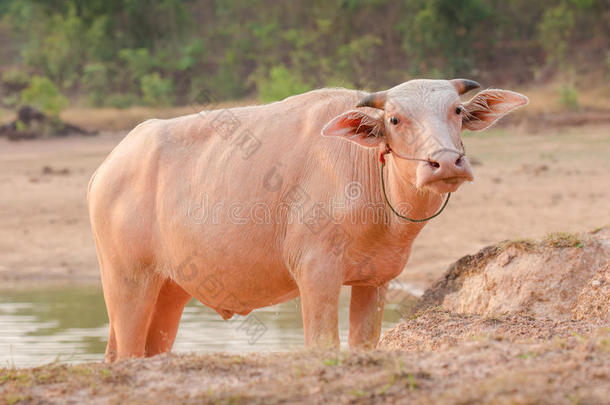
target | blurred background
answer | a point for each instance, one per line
(76, 76)
(120, 53)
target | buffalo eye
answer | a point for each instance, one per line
(459, 109)
(394, 120)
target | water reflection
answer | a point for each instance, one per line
(70, 325)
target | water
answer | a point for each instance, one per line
(69, 324)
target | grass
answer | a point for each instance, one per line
(562, 240)
(333, 361)
(557, 240)
(526, 244)
(528, 355)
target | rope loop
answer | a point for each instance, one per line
(385, 196)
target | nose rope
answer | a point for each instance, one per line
(393, 152)
(385, 196)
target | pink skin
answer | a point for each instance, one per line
(156, 250)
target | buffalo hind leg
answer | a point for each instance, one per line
(111, 348)
(166, 318)
(130, 304)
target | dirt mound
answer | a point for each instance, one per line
(594, 299)
(436, 329)
(512, 304)
(549, 279)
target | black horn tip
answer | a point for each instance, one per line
(464, 85)
(373, 100)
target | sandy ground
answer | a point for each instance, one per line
(526, 186)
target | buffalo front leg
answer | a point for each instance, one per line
(319, 292)
(365, 316)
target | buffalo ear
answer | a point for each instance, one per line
(358, 127)
(488, 106)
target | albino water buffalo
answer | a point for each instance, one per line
(252, 206)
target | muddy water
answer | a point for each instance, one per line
(39, 326)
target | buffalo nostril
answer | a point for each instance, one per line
(434, 164)
(459, 161)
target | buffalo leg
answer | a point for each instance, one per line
(166, 318)
(320, 306)
(130, 304)
(111, 347)
(365, 316)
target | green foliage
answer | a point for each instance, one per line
(441, 33)
(136, 62)
(118, 52)
(584, 3)
(568, 97)
(59, 48)
(20, 125)
(227, 81)
(15, 79)
(156, 91)
(191, 54)
(95, 80)
(120, 100)
(10, 101)
(355, 58)
(555, 30)
(44, 95)
(13, 82)
(281, 84)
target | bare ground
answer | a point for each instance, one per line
(446, 359)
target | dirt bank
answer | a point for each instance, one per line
(558, 277)
(594, 299)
